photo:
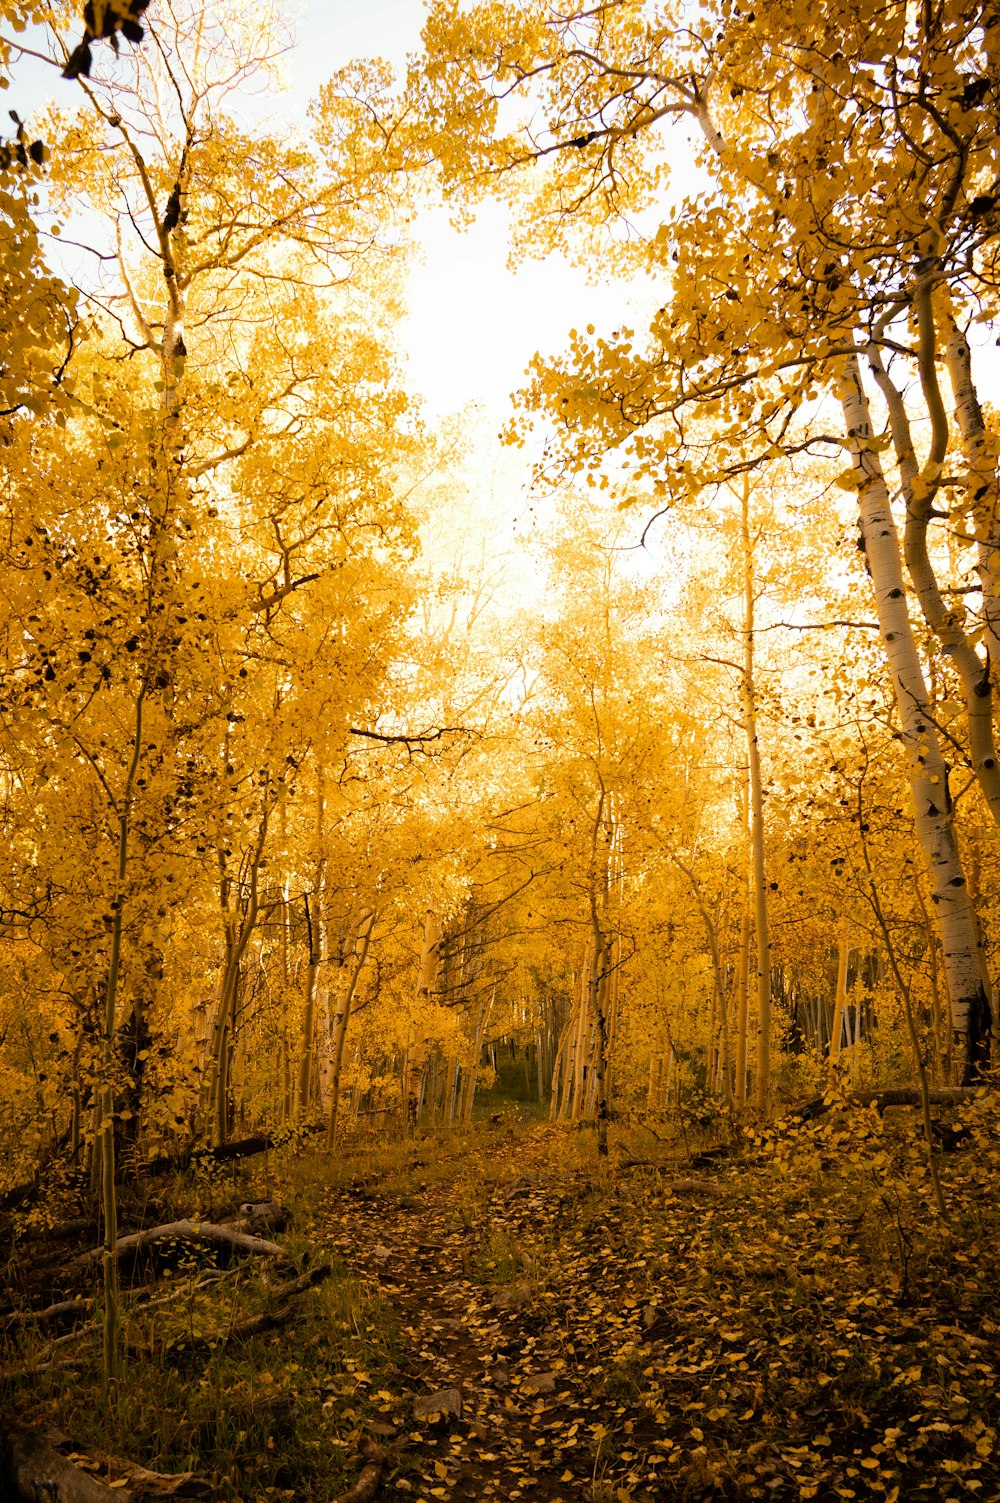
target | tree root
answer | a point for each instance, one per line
(367, 1484)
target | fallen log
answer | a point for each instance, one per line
(203, 1232)
(254, 1325)
(77, 1226)
(36, 1464)
(224, 1153)
(184, 1158)
(43, 1360)
(243, 1330)
(259, 1216)
(64, 1309)
(20, 1195)
(806, 1111)
(691, 1185)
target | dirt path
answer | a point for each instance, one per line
(431, 1254)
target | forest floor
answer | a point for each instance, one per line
(511, 1317)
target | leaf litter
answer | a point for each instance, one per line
(625, 1335)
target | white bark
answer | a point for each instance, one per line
(341, 1018)
(840, 997)
(763, 1082)
(946, 623)
(926, 768)
(983, 483)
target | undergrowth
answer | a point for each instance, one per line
(791, 1320)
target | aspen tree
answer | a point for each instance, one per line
(416, 1059)
(748, 685)
(315, 931)
(341, 1018)
(484, 1012)
(853, 199)
(840, 995)
(742, 974)
(927, 772)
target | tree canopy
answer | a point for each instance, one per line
(305, 814)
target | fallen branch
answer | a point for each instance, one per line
(43, 1360)
(61, 1230)
(33, 1464)
(806, 1111)
(184, 1158)
(65, 1309)
(179, 1289)
(254, 1325)
(243, 1330)
(203, 1232)
(692, 1186)
(241, 1148)
(19, 1195)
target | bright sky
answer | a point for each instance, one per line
(474, 325)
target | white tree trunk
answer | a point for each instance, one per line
(763, 1082)
(341, 1018)
(982, 484)
(926, 768)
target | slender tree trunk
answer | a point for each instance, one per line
(580, 1042)
(237, 938)
(940, 1022)
(743, 959)
(450, 1092)
(341, 1018)
(840, 996)
(926, 767)
(559, 1070)
(600, 976)
(763, 1082)
(417, 1053)
(105, 1098)
(482, 1023)
(945, 621)
(315, 931)
(982, 483)
(614, 994)
(302, 1091)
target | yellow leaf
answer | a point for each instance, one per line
(440, 1470)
